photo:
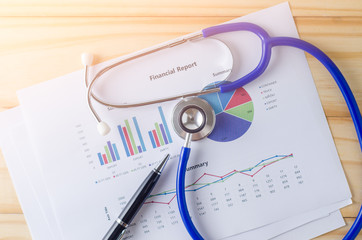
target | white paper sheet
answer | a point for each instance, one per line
(31, 203)
(23, 163)
(288, 130)
(315, 222)
(315, 228)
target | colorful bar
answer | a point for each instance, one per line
(163, 133)
(131, 136)
(100, 158)
(116, 151)
(159, 134)
(123, 140)
(139, 134)
(128, 141)
(105, 159)
(139, 149)
(152, 140)
(156, 138)
(111, 150)
(108, 154)
(165, 125)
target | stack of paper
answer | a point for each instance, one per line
(269, 170)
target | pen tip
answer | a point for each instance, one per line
(160, 167)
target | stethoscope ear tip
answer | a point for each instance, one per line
(87, 59)
(103, 128)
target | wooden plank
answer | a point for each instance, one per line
(332, 100)
(345, 138)
(8, 200)
(33, 50)
(13, 226)
(341, 39)
(173, 8)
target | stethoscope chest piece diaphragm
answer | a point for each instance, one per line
(195, 116)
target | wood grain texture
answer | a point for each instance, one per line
(41, 39)
(350, 154)
(184, 8)
(13, 227)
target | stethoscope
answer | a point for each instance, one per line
(194, 119)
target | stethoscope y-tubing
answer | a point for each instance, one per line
(267, 44)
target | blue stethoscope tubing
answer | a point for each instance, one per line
(267, 44)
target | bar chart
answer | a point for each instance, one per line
(128, 139)
(111, 154)
(160, 135)
(132, 138)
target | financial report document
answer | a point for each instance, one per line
(270, 157)
(30, 188)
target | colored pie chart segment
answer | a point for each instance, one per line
(234, 114)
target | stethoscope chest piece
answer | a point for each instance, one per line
(194, 116)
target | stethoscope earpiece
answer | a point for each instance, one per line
(103, 128)
(87, 59)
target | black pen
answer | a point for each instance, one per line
(135, 203)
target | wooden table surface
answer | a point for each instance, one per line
(40, 40)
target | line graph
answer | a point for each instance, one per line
(197, 185)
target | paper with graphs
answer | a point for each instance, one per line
(264, 162)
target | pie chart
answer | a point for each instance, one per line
(234, 114)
